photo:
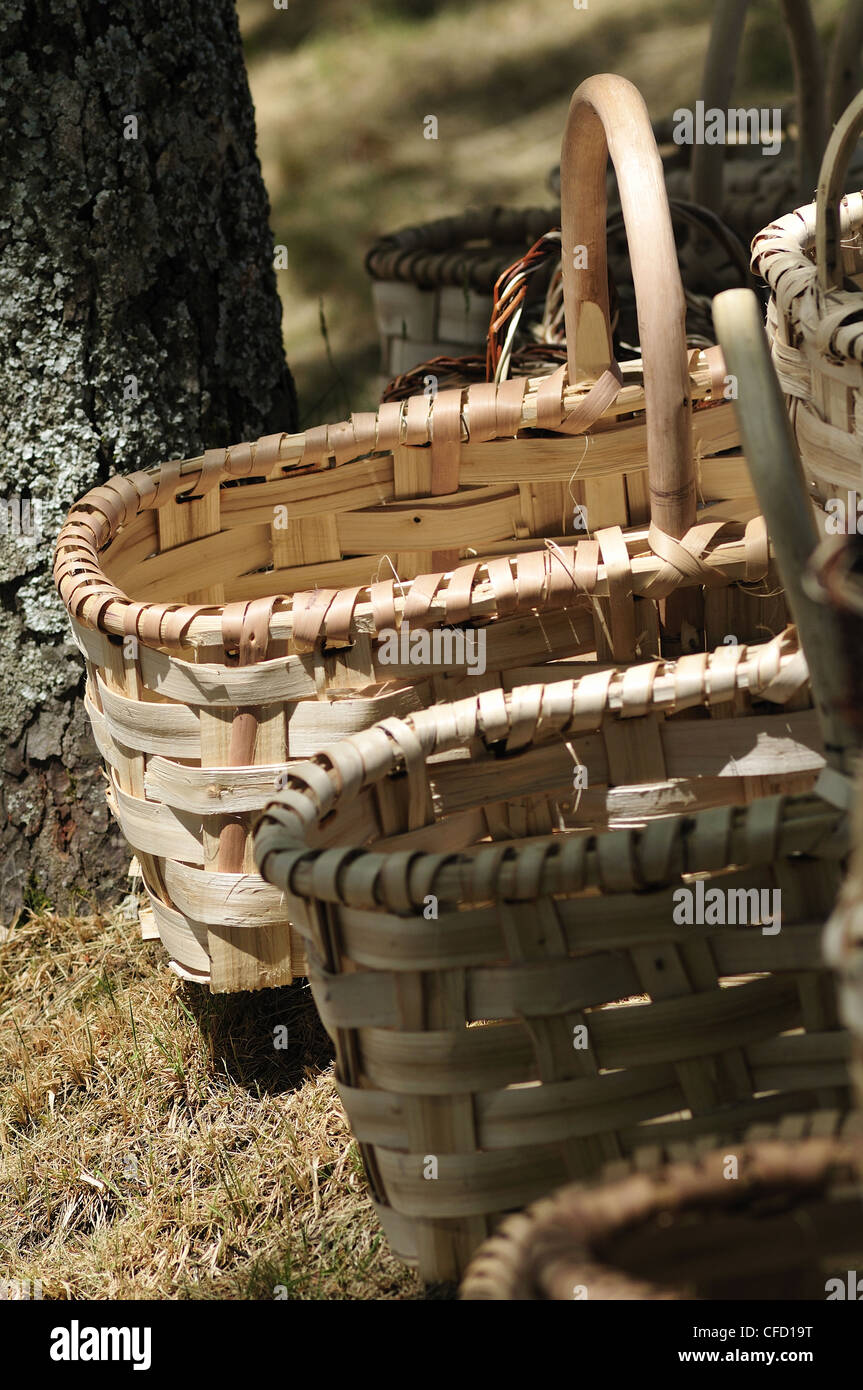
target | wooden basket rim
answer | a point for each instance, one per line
(401, 881)
(433, 255)
(780, 256)
(558, 1241)
(545, 578)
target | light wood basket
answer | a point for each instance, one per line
(466, 918)
(458, 984)
(781, 1224)
(230, 607)
(813, 262)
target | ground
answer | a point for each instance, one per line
(154, 1141)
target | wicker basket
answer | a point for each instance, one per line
(487, 1003)
(512, 1015)
(432, 285)
(231, 607)
(696, 1227)
(813, 263)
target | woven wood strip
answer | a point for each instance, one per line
(457, 1026)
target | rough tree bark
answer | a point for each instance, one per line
(139, 320)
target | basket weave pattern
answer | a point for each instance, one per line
(233, 608)
(455, 1035)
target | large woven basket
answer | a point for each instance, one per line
(522, 1010)
(813, 262)
(512, 1015)
(231, 607)
(779, 1218)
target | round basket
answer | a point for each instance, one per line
(509, 1015)
(235, 609)
(527, 1008)
(813, 262)
(777, 1217)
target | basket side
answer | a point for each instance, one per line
(514, 1016)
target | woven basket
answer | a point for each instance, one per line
(513, 1015)
(230, 607)
(785, 1224)
(813, 262)
(454, 981)
(432, 284)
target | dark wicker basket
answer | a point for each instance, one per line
(779, 1216)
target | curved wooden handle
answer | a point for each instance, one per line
(831, 187)
(607, 116)
(726, 32)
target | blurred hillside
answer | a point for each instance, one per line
(341, 88)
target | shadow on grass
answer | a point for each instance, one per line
(266, 1042)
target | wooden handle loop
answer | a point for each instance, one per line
(607, 116)
(729, 16)
(828, 201)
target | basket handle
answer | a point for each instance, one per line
(607, 116)
(726, 32)
(831, 187)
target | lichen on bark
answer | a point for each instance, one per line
(139, 320)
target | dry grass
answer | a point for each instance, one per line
(154, 1143)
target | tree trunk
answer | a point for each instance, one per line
(139, 320)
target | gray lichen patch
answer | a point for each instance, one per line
(139, 321)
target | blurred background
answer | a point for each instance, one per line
(341, 89)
